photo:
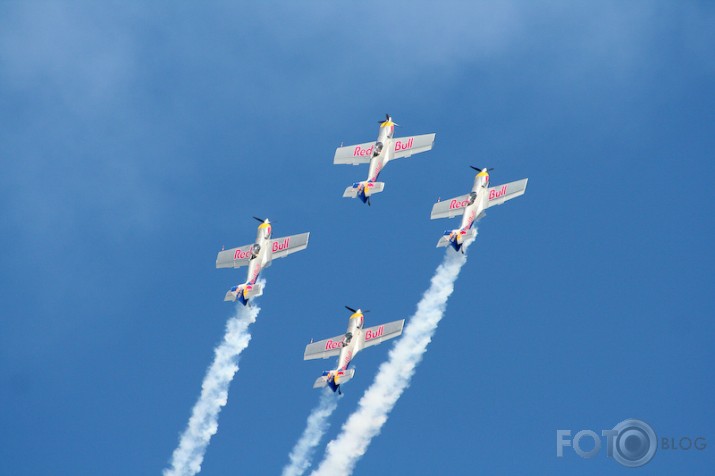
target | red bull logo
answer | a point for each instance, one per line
(280, 245)
(455, 204)
(370, 334)
(360, 152)
(399, 145)
(331, 344)
(240, 254)
(496, 193)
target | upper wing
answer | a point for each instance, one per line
(406, 146)
(377, 334)
(324, 348)
(286, 245)
(450, 208)
(354, 154)
(502, 193)
(234, 258)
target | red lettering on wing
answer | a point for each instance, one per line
(238, 254)
(399, 145)
(497, 193)
(455, 204)
(370, 334)
(331, 344)
(360, 152)
(280, 245)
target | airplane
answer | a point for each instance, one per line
(378, 154)
(258, 256)
(347, 346)
(473, 206)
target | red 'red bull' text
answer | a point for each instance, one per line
(280, 245)
(496, 193)
(331, 344)
(239, 254)
(455, 204)
(360, 152)
(370, 334)
(399, 145)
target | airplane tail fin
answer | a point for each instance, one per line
(333, 379)
(456, 238)
(243, 292)
(363, 190)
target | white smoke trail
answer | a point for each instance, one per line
(394, 376)
(203, 424)
(316, 427)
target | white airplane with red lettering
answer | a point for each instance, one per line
(258, 256)
(347, 346)
(378, 154)
(473, 205)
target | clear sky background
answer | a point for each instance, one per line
(137, 139)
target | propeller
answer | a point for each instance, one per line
(260, 219)
(354, 310)
(479, 170)
(388, 118)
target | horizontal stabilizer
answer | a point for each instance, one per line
(368, 188)
(343, 376)
(456, 235)
(248, 291)
(338, 377)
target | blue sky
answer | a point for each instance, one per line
(139, 139)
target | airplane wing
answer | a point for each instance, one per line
(502, 193)
(282, 247)
(234, 258)
(377, 334)
(324, 348)
(354, 154)
(450, 208)
(406, 146)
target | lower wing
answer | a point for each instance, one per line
(235, 257)
(324, 348)
(378, 334)
(450, 208)
(406, 146)
(502, 193)
(282, 247)
(354, 154)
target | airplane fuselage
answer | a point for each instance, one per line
(262, 256)
(383, 151)
(353, 344)
(477, 203)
